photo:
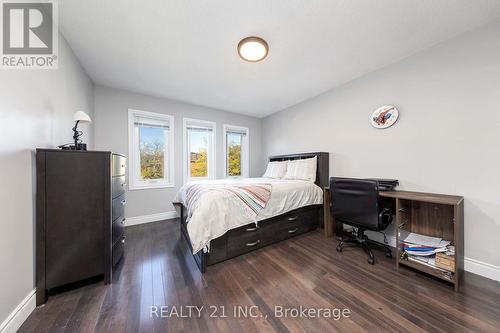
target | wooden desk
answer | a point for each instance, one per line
(429, 214)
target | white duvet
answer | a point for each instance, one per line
(219, 212)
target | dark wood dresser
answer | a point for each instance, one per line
(80, 220)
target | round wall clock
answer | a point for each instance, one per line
(384, 117)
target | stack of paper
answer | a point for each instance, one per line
(423, 246)
(413, 238)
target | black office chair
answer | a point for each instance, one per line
(355, 202)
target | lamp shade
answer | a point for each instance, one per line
(81, 117)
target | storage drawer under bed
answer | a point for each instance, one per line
(243, 239)
(250, 237)
(298, 223)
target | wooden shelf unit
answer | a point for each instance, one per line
(435, 215)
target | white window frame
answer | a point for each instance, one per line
(245, 150)
(211, 149)
(135, 183)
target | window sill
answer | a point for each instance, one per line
(187, 180)
(236, 177)
(149, 187)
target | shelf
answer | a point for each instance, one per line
(436, 272)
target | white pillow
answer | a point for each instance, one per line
(302, 169)
(276, 169)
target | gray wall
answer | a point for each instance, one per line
(36, 110)
(445, 141)
(111, 133)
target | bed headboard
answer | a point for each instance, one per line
(322, 170)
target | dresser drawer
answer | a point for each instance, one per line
(118, 185)
(119, 165)
(117, 229)
(243, 239)
(118, 208)
(117, 251)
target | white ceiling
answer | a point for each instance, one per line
(186, 50)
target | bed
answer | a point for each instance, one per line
(298, 204)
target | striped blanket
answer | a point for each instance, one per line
(252, 197)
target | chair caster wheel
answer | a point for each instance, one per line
(371, 261)
(339, 248)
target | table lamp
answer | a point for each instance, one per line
(78, 117)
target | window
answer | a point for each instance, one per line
(199, 149)
(236, 151)
(150, 150)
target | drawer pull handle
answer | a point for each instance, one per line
(123, 240)
(123, 221)
(293, 231)
(124, 202)
(123, 165)
(252, 229)
(292, 218)
(253, 244)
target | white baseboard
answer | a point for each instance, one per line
(482, 268)
(151, 218)
(17, 317)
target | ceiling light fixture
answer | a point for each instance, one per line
(253, 49)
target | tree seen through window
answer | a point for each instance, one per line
(152, 153)
(198, 153)
(234, 141)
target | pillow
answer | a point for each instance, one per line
(276, 169)
(302, 169)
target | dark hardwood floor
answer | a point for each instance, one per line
(158, 270)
